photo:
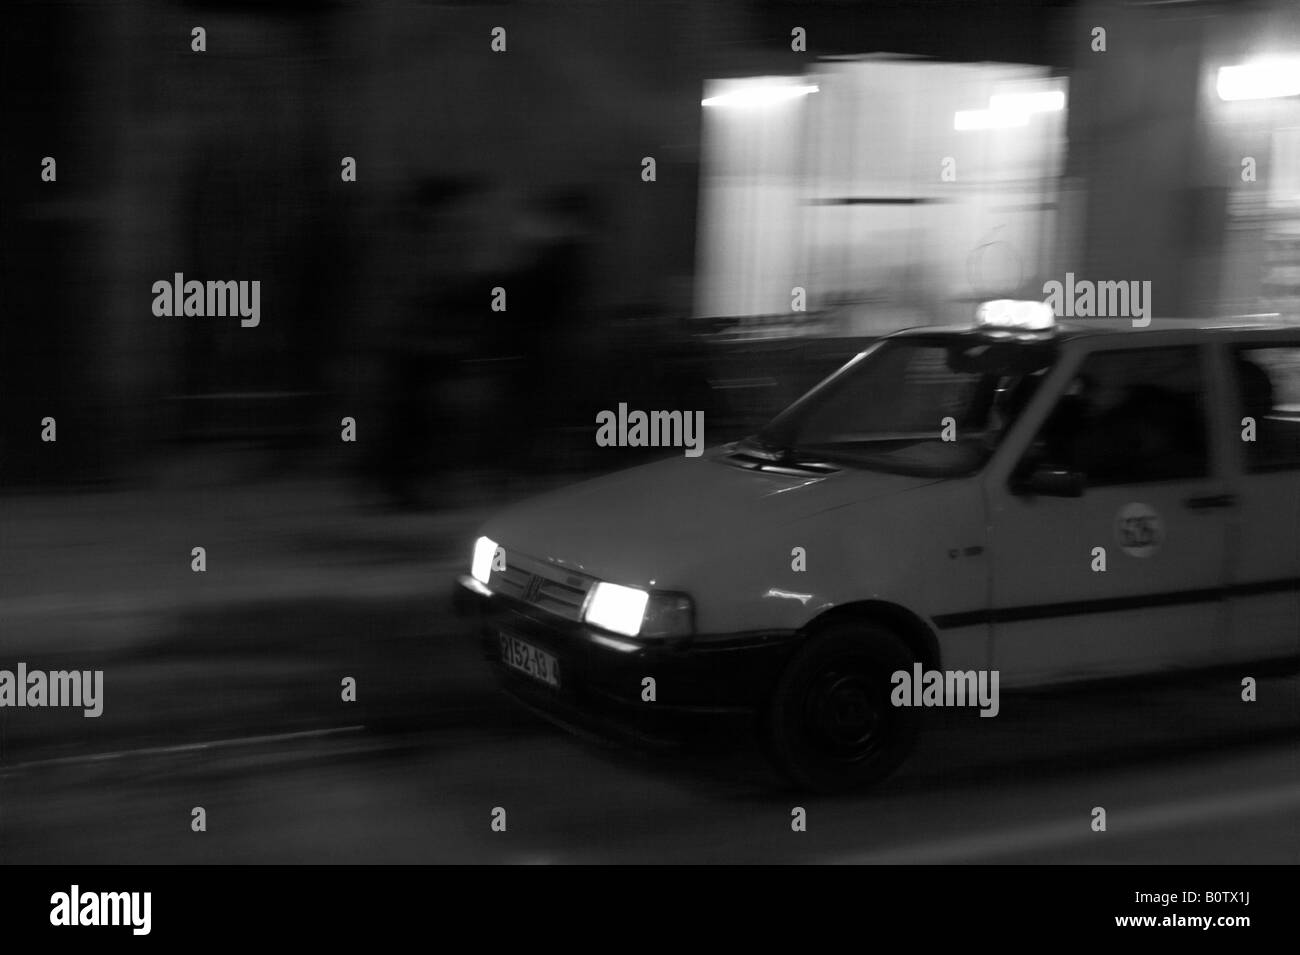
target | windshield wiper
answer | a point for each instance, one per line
(787, 457)
(756, 447)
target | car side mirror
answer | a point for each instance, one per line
(1050, 482)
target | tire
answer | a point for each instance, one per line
(830, 726)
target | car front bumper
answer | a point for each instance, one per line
(601, 675)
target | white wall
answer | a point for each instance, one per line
(782, 190)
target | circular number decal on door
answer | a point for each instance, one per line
(1139, 530)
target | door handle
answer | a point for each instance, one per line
(1210, 501)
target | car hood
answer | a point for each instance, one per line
(643, 525)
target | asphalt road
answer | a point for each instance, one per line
(1187, 773)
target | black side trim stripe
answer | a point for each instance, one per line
(970, 618)
(876, 201)
(1262, 587)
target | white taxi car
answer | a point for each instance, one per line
(1051, 502)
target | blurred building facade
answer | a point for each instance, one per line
(225, 164)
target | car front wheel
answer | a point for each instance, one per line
(830, 726)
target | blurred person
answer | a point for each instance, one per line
(423, 388)
(550, 303)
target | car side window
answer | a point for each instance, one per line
(1129, 417)
(1268, 392)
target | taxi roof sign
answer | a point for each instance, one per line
(1015, 313)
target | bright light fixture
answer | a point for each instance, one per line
(1260, 79)
(617, 608)
(484, 550)
(759, 94)
(1009, 110)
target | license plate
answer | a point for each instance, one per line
(526, 658)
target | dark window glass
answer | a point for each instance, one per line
(1129, 417)
(1268, 389)
(887, 410)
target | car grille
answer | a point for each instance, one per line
(542, 585)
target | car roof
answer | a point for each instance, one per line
(1259, 325)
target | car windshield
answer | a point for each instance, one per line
(934, 405)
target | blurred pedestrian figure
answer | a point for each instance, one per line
(551, 286)
(433, 332)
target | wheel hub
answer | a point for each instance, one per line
(844, 714)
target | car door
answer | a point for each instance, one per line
(1265, 441)
(1128, 576)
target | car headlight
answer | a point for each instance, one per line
(668, 615)
(484, 550)
(633, 612)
